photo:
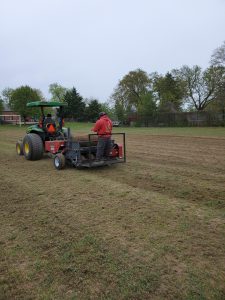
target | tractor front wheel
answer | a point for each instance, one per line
(59, 161)
(33, 146)
(19, 148)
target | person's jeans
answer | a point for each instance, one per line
(103, 147)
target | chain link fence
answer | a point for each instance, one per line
(178, 119)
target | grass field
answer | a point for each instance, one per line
(153, 228)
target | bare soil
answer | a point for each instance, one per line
(152, 228)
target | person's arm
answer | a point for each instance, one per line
(111, 125)
(97, 126)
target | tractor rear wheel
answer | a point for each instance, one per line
(33, 146)
(59, 161)
(19, 148)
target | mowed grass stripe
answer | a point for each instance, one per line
(104, 233)
(75, 240)
(126, 239)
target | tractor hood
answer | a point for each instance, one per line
(34, 128)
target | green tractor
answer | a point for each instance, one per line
(32, 145)
(56, 140)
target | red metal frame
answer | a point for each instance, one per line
(117, 152)
(54, 146)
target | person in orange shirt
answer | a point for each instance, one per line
(103, 127)
(50, 124)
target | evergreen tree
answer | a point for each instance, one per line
(76, 105)
(92, 110)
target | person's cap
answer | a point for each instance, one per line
(102, 113)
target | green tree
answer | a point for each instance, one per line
(121, 105)
(202, 87)
(92, 110)
(20, 97)
(146, 109)
(76, 105)
(110, 111)
(127, 95)
(132, 87)
(1, 106)
(147, 106)
(169, 92)
(58, 92)
(120, 111)
(218, 56)
(6, 95)
(218, 105)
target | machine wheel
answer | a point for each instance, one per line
(19, 148)
(32, 146)
(59, 161)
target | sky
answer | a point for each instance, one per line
(92, 44)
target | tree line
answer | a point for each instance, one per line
(184, 89)
(78, 108)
